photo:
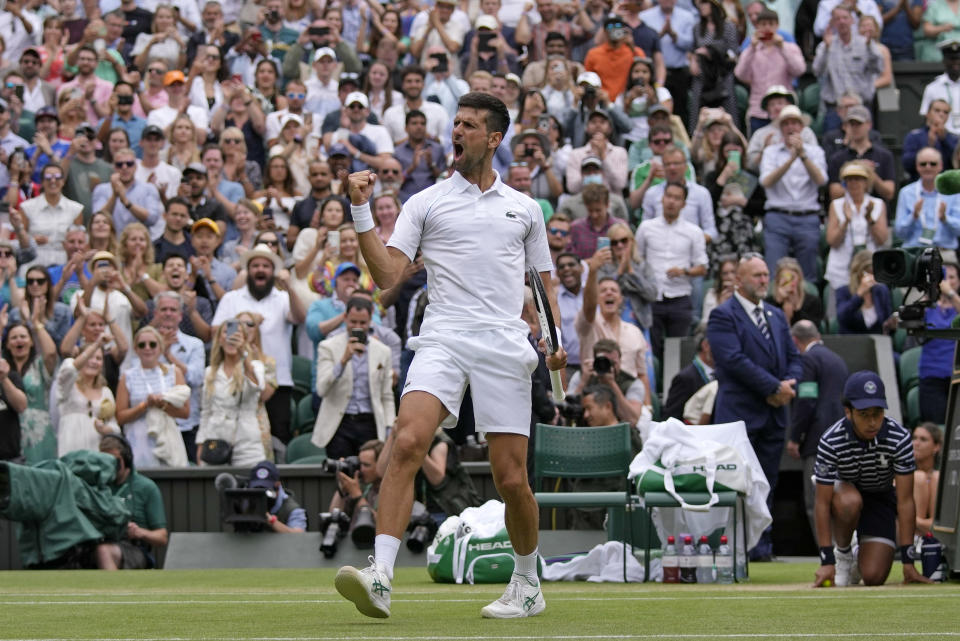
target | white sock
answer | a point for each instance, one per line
(385, 548)
(526, 565)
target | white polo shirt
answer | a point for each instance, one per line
(476, 249)
(276, 329)
(665, 245)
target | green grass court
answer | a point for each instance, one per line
(293, 605)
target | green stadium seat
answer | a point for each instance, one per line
(300, 371)
(300, 447)
(913, 408)
(304, 417)
(909, 370)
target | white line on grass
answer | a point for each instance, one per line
(512, 637)
(847, 595)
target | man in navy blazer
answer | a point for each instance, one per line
(819, 403)
(690, 379)
(757, 366)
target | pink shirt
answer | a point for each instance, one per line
(101, 94)
(763, 65)
(633, 346)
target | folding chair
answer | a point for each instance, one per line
(584, 452)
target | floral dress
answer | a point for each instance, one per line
(37, 438)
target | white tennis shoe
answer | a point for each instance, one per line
(368, 589)
(522, 598)
(848, 568)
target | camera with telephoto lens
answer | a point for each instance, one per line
(242, 507)
(589, 91)
(334, 525)
(422, 528)
(350, 465)
(364, 528)
(912, 268)
(602, 365)
(571, 409)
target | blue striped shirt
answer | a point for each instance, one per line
(868, 465)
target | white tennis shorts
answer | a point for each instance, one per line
(496, 363)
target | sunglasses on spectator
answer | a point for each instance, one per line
(619, 241)
(119, 164)
(929, 163)
(355, 105)
(36, 281)
(6, 253)
(273, 243)
(146, 344)
(518, 163)
(559, 232)
(53, 176)
(234, 141)
(298, 96)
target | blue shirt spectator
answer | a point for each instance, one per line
(927, 230)
(138, 195)
(936, 357)
(134, 127)
(853, 318)
(897, 32)
(682, 22)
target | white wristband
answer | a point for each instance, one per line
(362, 217)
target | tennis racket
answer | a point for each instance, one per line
(548, 329)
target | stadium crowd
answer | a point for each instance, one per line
(176, 238)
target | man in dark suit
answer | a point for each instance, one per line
(757, 367)
(211, 33)
(690, 379)
(819, 403)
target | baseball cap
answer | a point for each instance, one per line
(858, 113)
(658, 108)
(349, 76)
(173, 76)
(288, 118)
(514, 78)
(339, 149)
(589, 78)
(486, 21)
(86, 129)
(152, 130)
(324, 51)
(265, 475)
(864, 389)
(195, 168)
(591, 161)
(790, 112)
(777, 90)
(346, 266)
(46, 112)
(205, 223)
(356, 96)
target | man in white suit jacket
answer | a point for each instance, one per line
(355, 381)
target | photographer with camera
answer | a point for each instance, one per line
(355, 381)
(353, 507)
(285, 515)
(629, 392)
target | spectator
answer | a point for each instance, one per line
(207, 72)
(395, 118)
(774, 100)
(265, 86)
(792, 218)
(306, 209)
(675, 26)
(250, 324)
(107, 290)
(697, 208)
(175, 240)
(85, 404)
(285, 515)
(127, 199)
(102, 234)
(927, 445)
(585, 231)
(434, 28)
(600, 317)
(248, 220)
(569, 298)
(362, 489)
(712, 61)
(790, 294)
(19, 28)
(676, 251)
(818, 404)
(518, 177)
(640, 94)
(84, 170)
(599, 132)
(368, 144)
(863, 305)
(196, 310)
(612, 59)
(768, 61)
(39, 305)
(630, 393)
(151, 169)
(724, 284)
(933, 134)
(224, 191)
(154, 93)
(643, 37)
(870, 29)
(49, 215)
(137, 261)
(37, 92)
(836, 139)
(855, 220)
(845, 61)
(66, 278)
(589, 98)
(489, 50)
(736, 200)
(179, 106)
(32, 357)
(142, 387)
(824, 18)
(196, 191)
(936, 359)
(386, 210)
(244, 59)
(51, 50)
(231, 391)
(147, 528)
(690, 379)
(943, 86)
(442, 85)
(421, 158)
(555, 48)
(591, 173)
(354, 379)
(858, 147)
(898, 29)
(95, 90)
(757, 367)
(164, 43)
(924, 217)
(47, 145)
(533, 148)
(939, 27)
(280, 310)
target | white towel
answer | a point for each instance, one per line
(169, 448)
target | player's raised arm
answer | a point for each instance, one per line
(386, 264)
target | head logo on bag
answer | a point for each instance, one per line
(490, 545)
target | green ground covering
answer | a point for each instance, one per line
(294, 605)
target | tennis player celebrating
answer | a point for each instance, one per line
(477, 237)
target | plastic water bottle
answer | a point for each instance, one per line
(671, 562)
(705, 569)
(688, 561)
(931, 553)
(724, 562)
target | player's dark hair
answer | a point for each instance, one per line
(498, 118)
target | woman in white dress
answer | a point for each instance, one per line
(141, 387)
(85, 403)
(231, 394)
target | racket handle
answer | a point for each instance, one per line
(557, 385)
